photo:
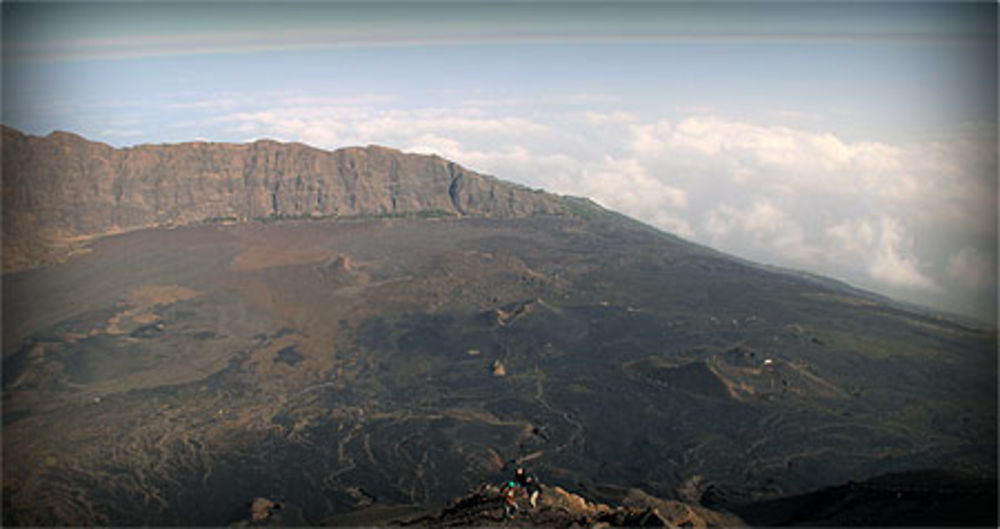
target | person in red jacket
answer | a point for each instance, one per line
(509, 493)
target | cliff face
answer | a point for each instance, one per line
(61, 188)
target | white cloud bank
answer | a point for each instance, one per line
(763, 225)
(915, 221)
(883, 247)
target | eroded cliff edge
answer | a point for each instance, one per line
(61, 189)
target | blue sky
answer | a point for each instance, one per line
(853, 140)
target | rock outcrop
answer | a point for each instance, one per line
(560, 508)
(62, 189)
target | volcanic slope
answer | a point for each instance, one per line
(344, 366)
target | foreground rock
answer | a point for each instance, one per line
(560, 508)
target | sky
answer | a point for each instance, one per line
(852, 140)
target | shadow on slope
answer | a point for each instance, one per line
(932, 498)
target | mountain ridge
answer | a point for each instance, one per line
(62, 189)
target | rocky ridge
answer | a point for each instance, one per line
(483, 506)
(560, 508)
(62, 190)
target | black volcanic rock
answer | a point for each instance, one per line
(61, 188)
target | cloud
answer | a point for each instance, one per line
(591, 99)
(625, 185)
(884, 247)
(340, 122)
(779, 157)
(229, 101)
(326, 101)
(610, 118)
(206, 104)
(628, 182)
(893, 217)
(761, 225)
(492, 102)
(970, 267)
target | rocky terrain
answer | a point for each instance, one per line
(61, 190)
(371, 369)
(484, 507)
(558, 508)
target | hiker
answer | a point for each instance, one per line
(530, 484)
(509, 492)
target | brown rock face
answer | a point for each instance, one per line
(61, 189)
